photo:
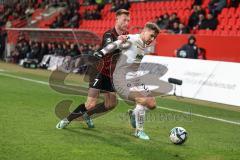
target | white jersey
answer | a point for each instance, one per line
(125, 75)
(135, 52)
(131, 79)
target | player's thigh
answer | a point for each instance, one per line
(92, 98)
(149, 102)
(110, 99)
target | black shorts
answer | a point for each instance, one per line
(102, 82)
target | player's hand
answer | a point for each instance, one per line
(98, 54)
(123, 38)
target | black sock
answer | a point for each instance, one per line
(99, 108)
(79, 111)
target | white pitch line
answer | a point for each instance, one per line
(159, 107)
(36, 81)
(23, 78)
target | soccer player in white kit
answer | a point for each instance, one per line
(133, 89)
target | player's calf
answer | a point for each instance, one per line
(139, 114)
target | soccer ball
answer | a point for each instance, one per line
(183, 54)
(178, 135)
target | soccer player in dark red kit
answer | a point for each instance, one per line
(102, 80)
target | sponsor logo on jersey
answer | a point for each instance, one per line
(108, 40)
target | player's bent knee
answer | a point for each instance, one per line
(90, 104)
(151, 104)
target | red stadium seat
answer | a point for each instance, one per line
(201, 32)
(209, 32)
(232, 33)
(224, 33)
(231, 12)
(179, 5)
(235, 27)
(231, 22)
(189, 4)
(238, 12)
(224, 13)
(217, 32)
(224, 21)
(205, 3)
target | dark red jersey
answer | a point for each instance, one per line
(109, 61)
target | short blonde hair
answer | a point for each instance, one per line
(121, 12)
(152, 26)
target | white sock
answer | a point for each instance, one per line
(139, 113)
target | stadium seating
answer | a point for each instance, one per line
(229, 21)
(140, 13)
(229, 18)
(47, 22)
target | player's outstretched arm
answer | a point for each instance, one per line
(108, 49)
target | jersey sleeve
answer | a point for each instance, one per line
(107, 39)
(111, 47)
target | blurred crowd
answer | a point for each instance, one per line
(45, 52)
(120, 4)
(69, 17)
(92, 14)
(21, 9)
(171, 23)
(199, 19)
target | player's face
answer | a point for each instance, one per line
(191, 41)
(122, 22)
(148, 36)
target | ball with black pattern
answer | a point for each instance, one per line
(178, 135)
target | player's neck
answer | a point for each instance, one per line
(119, 31)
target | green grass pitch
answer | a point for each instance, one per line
(27, 126)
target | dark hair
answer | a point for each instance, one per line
(152, 26)
(121, 12)
(192, 37)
